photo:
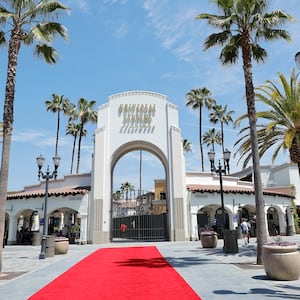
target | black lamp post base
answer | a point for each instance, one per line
(43, 248)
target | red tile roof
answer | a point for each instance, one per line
(234, 190)
(63, 191)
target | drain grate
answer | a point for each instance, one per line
(247, 266)
(10, 275)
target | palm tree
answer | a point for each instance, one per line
(242, 25)
(28, 24)
(57, 105)
(126, 187)
(281, 119)
(211, 137)
(117, 195)
(85, 114)
(74, 130)
(186, 146)
(197, 98)
(220, 115)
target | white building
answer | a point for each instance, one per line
(147, 121)
(69, 203)
(205, 205)
(67, 206)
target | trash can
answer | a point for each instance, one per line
(289, 230)
(239, 232)
(50, 246)
(230, 241)
(36, 239)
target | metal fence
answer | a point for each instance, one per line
(141, 227)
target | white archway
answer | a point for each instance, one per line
(131, 121)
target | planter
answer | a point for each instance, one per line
(61, 245)
(281, 262)
(209, 239)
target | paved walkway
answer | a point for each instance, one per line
(211, 273)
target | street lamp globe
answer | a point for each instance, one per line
(226, 155)
(56, 161)
(40, 161)
(211, 155)
(297, 59)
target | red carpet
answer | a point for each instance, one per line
(119, 273)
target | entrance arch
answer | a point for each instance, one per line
(138, 213)
(138, 120)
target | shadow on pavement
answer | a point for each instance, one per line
(257, 291)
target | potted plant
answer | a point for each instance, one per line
(208, 238)
(61, 245)
(75, 233)
(281, 260)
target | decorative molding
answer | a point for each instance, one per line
(176, 129)
(103, 106)
(101, 129)
(138, 93)
(171, 105)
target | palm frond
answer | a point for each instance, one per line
(47, 52)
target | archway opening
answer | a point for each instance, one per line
(27, 224)
(65, 222)
(210, 217)
(248, 213)
(273, 221)
(139, 197)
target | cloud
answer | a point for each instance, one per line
(174, 26)
(34, 137)
(82, 5)
(42, 138)
(120, 30)
(115, 1)
(114, 17)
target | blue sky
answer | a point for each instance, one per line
(121, 45)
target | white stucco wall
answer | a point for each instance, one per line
(233, 202)
(79, 203)
(137, 120)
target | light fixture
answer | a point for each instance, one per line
(297, 59)
(40, 162)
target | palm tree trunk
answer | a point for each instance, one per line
(8, 120)
(200, 138)
(57, 132)
(3, 187)
(73, 153)
(259, 201)
(79, 148)
(222, 137)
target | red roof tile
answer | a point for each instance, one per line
(233, 189)
(63, 191)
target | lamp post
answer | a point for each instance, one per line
(48, 175)
(220, 170)
(297, 59)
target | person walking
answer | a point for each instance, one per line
(245, 231)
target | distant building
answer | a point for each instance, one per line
(283, 178)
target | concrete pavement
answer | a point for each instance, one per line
(210, 272)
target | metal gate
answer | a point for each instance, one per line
(141, 227)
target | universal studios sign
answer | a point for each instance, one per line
(137, 118)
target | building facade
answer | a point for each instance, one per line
(204, 200)
(83, 206)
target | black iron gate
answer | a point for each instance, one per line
(141, 227)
